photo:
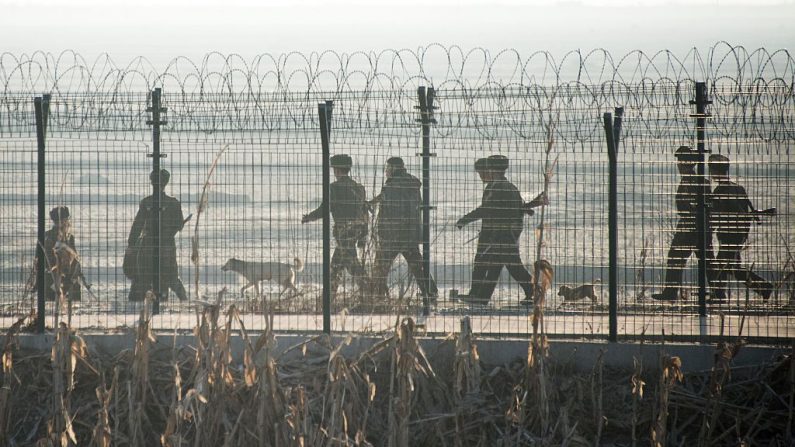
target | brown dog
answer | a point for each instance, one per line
(255, 272)
(578, 293)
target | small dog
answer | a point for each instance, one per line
(579, 293)
(255, 272)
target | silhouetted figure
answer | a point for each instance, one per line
(62, 259)
(399, 228)
(349, 210)
(685, 240)
(731, 216)
(142, 243)
(502, 217)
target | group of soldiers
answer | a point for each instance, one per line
(398, 231)
(398, 228)
(729, 214)
(148, 231)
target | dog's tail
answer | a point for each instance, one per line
(299, 266)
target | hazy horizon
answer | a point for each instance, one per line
(162, 30)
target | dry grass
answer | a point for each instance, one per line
(393, 393)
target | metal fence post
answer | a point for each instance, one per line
(612, 224)
(324, 114)
(156, 155)
(41, 110)
(426, 107)
(701, 116)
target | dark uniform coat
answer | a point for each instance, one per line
(502, 218)
(399, 210)
(143, 243)
(70, 274)
(399, 229)
(685, 240)
(349, 210)
(731, 216)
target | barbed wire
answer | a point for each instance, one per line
(752, 90)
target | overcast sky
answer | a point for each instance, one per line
(162, 29)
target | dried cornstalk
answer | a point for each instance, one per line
(719, 375)
(467, 363)
(203, 203)
(102, 432)
(637, 394)
(670, 375)
(10, 345)
(467, 378)
(597, 387)
(409, 363)
(60, 431)
(271, 406)
(138, 385)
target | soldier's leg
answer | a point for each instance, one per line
(480, 269)
(520, 273)
(384, 258)
(682, 246)
(336, 269)
(176, 285)
(138, 290)
(354, 265)
(752, 280)
(424, 279)
(75, 292)
(491, 277)
(721, 266)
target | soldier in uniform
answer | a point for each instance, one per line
(349, 210)
(731, 216)
(399, 228)
(502, 214)
(142, 242)
(61, 254)
(685, 241)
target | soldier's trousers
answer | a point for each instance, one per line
(385, 256)
(139, 288)
(346, 258)
(683, 245)
(490, 258)
(69, 285)
(144, 280)
(729, 263)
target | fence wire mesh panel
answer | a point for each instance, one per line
(472, 139)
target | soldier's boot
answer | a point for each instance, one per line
(668, 294)
(179, 289)
(529, 296)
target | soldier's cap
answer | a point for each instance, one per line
(498, 162)
(482, 164)
(395, 162)
(161, 179)
(719, 163)
(341, 161)
(59, 213)
(686, 154)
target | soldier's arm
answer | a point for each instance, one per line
(178, 217)
(314, 215)
(480, 212)
(539, 200)
(172, 218)
(138, 225)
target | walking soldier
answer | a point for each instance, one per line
(399, 228)
(142, 243)
(349, 210)
(501, 214)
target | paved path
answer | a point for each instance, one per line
(493, 323)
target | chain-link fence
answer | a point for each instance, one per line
(243, 145)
